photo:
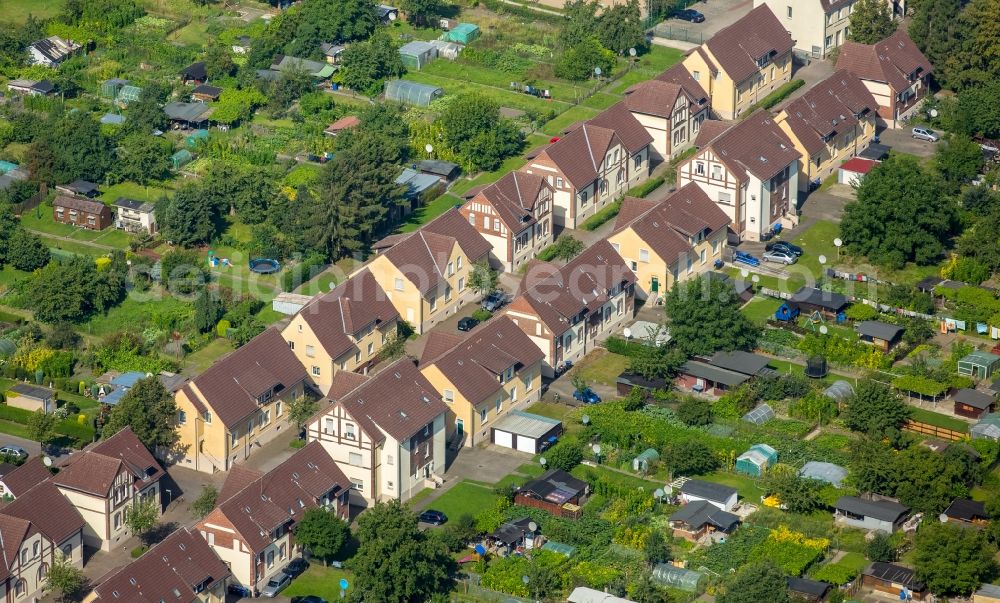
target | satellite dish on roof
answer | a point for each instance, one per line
(744, 272)
(631, 52)
(823, 330)
(933, 112)
(627, 332)
(47, 461)
(822, 259)
(392, 15)
(532, 526)
(658, 493)
(429, 148)
(542, 461)
(837, 242)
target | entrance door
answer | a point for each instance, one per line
(460, 427)
(655, 285)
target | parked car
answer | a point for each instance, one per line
(12, 450)
(296, 567)
(784, 246)
(275, 585)
(925, 134)
(467, 323)
(494, 301)
(587, 396)
(745, 258)
(239, 590)
(435, 518)
(780, 257)
(689, 14)
(547, 443)
(308, 599)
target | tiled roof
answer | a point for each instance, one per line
(26, 477)
(86, 205)
(618, 118)
(437, 343)
(345, 381)
(668, 225)
(283, 494)
(893, 60)
(239, 477)
(514, 197)
(232, 385)
(475, 365)
(344, 123)
(631, 208)
(50, 512)
(357, 303)
(755, 145)
(423, 255)
(579, 154)
(678, 74)
(175, 569)
(709, 131)
(13, 530)
(758, 34)
(829, 109)
(398, 400)
(655, 97)
(558, 295)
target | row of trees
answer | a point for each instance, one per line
(592, 35)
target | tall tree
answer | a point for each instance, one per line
(704, 316)
(483, 279)
(421, 12)
(322, 533)
(396, 561)
(142, 158)
(938, 31)
(472, 126)
(42, 427)
(64, 578)
(365, 65)
(301, 409)
(150, 410)
(580, 22)
(26, 251)
(191, 217)
(760, 582)
(958, 160)
(142, 517)
(578, 61)
(71, 147)
(657, 548)
(880, 548)
(798, 494)
(900, 215)
(206, 501)
(952, 560)
(874, 409)
(207, 311)
(871, 22)
(621, 28)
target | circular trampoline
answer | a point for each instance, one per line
(264, 266)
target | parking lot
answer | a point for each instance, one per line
(902, 140)
(718, 14)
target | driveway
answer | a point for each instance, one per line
(718, 14)
(815, 72)
(488, 464)
(902, 140)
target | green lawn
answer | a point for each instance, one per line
(425, 213)
(131, 190)
(136, 311)
(550, 410)
(465, 497)
(761, 309)
(17, 11)
(786, 367)
(615, 477)
(937, 419)
(502, 95)
(197, 362)
(319, 581)
(9, 274)
(601, 366)
(194, 33)
(601, 100)
(14, 429)
(560, 90)
(66, 248)
(749, 487)
(568, 118)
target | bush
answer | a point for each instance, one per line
(645, 188)
(859, 312)
(600, 218)
(138, 551)
(302, 272)
(618, 345)
(223, 327)
(482, 315)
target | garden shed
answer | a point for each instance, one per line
(463, 33)
(973, 403)
(760, 415)
(756, 460)
(447, 50)
(181, 158)
(641, 462)
(405, 91)
(416, 54)
(988, 427)
(824, 472)
(676, 577)
(978, 365)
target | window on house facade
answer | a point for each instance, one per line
(499, 403)
(277, 408)
(461, 283)
(486, 222)
(449, 396)
(703, 256)
(451, 269)
(447, 294)
(559, 182)
(434, 303)
(388, 460)
(699, 168)
(358, 484)
(315, 371)
(725, 198)
(310, 351)
(696, 75)
(233, 438)
(181, 417)
(788, 10)
(355, 459)
(482, 416)
(583, 197)
(117, 521)
(458, 262)
(349, 430)
(265, 417)
(270, 559)
(398, 284)
(207, 416)
(328, 425)
(21, 588)
(643, 255)
(371, 349)
(472, 219)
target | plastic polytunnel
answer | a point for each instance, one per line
(676, 577)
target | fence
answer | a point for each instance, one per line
(934, 431)
(32, 203)
(672, 32)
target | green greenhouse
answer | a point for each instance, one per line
(676, 577)
(642, 462)
(756, 460)
(129, 94)
(181, 158)
(111, 88)
(405, 91)
(463, 33)
(195, 137)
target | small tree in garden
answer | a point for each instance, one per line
(205, 502)
(322, 533)
(880, 548)
(142, 517)
(300, 410)
(483, 279)
(657, 547)
(64, 579)
(41, 427)
(567, 247)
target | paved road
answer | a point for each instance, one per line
(32, 447)
(718, 14)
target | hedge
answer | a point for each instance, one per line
(618, 345)
(68, 427)
(646, 187)
(600, 218)
(774, 98)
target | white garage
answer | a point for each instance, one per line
(524, 431)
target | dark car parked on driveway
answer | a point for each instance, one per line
(784, 246)
(587, 396)
(296, 567)
(689, 14)
(467, 323)
(435, 518)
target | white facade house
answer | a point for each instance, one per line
(718, 495)
(52, 51)
(819, 26)
(135, 216)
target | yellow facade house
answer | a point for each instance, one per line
(238, 404)
(831, 123)
(425, 274)
(743, 63)
(670, 240)
(482, 377)
(343, 330)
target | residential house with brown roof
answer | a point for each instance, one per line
(819, 26)
(425, 274)
(751, 172)
(829, 124)
(386, 432)
(593, 164)
(567, 311)
(484, 376)
(21, 479)
(104, 480)
(743, 63)
(670, 109)
(894, 71)
(252, 528)
(342, 330)
(181, 568)
(238, 404)
(35, 530)
(85, 213)
(515, 215)
(669, 240)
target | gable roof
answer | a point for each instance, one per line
(55, 48)
(668, 225)
(707, 490)
(85, 205)
(620, 119)
(975, 398)
(436, 344)
(966, 510)
(194, 71)
(175, 569)
(344, 123)
(513, 197)
(739, 361)
(48, 510)
(423, 255)
(555, 485)
(32, 391)
(653, 97)
(816, 297)
(558, 295)
(893, 60)
(398, 401)
(700, 512)
(812, 588)
(94, 470)
(894, 573)
(828, 109)
(883, 510)
(758, 34)
(579, 153)
(232, 385)
(140, 206)
(357, 303)
(26, 477)
(879, 330)
(13, 531)
(756, 146)
(709, 131)
(475, 365)
(282, 494)
(678, 74)
(206, 90)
